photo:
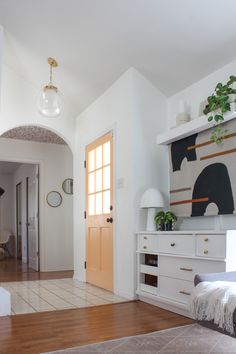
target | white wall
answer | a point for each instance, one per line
(18, 107)
(6, 203)
(194, 95)
(1, 56)
(56, 224)
(149, 163)
(198, 92)
(130, 107)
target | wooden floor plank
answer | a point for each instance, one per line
(47, 331)
(12, 269)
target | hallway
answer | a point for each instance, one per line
(12, 269)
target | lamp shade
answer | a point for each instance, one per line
(152, 198)
(50, 102)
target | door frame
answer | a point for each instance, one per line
(17, 218)
(27, 215)
(112, 130)
(41, 194)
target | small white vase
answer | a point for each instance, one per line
(182, 118)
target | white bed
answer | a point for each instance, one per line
(5, 302)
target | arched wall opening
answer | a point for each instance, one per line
(26, 149)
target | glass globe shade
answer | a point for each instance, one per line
(50, 102)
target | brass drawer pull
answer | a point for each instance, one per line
(205, 251)
(145, 237)
(172, 244)
(184, 292)
(206, 239)
(145, 247)
(186, 269)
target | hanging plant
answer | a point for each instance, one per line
(217, 105)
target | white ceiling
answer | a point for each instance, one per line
(8, 167)
(172, 42)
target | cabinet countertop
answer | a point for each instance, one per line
(183, 232)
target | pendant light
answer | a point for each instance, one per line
(50, 100)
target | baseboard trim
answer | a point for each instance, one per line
(77, 276)
(167, 305)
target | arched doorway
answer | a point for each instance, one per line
(38, 164)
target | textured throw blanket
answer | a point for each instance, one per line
(215, 301)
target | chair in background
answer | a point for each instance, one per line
(4, 239)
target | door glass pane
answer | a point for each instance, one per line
(91, 206)
(106, 153)
(91, 160)
(98, 180)
(98, 203)
(91, 182)
(99, 156)
(106, 202)
(106, 177)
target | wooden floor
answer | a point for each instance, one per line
(12, 269)
(42, 332)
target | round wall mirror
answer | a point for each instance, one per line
(67, 186)
(54, 199)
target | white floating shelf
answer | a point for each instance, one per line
(196, 125)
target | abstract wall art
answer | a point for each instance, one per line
(203, 174)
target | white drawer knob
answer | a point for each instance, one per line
(205, 251)
(206, 239)
(145, 247)
(145, 237)
(172, 244)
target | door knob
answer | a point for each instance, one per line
(110, 220)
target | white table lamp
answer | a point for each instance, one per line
(151, 199)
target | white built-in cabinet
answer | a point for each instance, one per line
(168, 261)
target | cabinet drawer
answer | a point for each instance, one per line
(187, 268)
(175, 289)
(148, 269)
(211, 246)
(148, 243)
(149, 289)
(177, 244)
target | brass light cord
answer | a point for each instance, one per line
(50, 82)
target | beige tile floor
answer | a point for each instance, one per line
(58, 294)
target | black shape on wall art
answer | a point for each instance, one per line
(214, 183)
(179, 151)
(1, 191)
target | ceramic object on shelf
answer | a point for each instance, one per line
(183, 117)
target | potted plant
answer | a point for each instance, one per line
(170, 219)
(160, 220)
(165, 220)
(218, 104)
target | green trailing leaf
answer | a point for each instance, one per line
(162, 217)
(218, 104)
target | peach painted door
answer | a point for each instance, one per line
(99, 213)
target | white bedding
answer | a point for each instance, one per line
(5, 302)
(215, 301)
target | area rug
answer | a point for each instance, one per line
(191, 339)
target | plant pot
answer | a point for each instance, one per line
(160, 227)
(169, 226)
